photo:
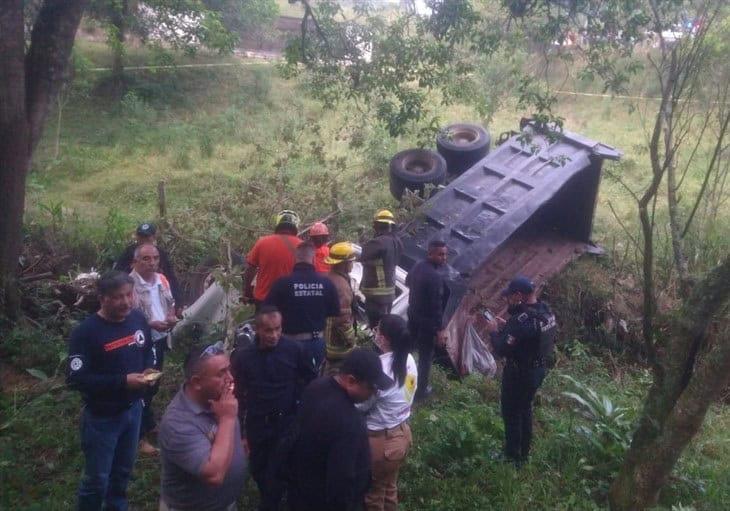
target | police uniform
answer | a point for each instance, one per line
(379, 258)
(527, 342)
(268, 386)
(305, 299)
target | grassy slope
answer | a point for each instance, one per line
(199, 129)
(211, 134)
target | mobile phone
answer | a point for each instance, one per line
(488, 315)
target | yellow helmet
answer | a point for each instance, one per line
(287, 217)
(384, 216)
(341, 252)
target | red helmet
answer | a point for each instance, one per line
(318, 229)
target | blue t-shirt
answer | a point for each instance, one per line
(305, 298)
(101, 355)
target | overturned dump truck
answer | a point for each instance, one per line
(525, 208)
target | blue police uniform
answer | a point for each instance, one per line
(526, 341)
(101, 354)
(306, 299)
(269, 384)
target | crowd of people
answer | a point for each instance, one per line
(319, 423)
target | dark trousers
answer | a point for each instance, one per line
(110, 448)
(263, 441)
(148, 417)
(375, 310)
(315, 349)
(519, 386)
(428, 353)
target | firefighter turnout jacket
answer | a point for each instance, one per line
(379, 258)
(340, 331)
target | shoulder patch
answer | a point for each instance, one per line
(76, 363)
(139, 338)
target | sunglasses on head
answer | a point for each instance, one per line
(213, 350)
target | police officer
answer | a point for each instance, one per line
(526, 340)
(379, 258)
(269, 379)
(306, 299)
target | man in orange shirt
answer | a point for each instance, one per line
(271, 257)
(319, 234)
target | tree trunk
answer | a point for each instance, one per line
(28, 83)
(698, 357)
(119, 22)
(14, 151)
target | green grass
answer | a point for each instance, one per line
(454, 464)
(236, 144)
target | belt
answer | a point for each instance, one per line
(385, 432)
(305, 336)
(532, 364)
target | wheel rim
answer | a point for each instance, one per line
(462, 136)
(418, 163)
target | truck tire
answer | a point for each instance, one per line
(415, 168)
(462, 145)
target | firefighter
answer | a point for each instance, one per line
(526, 340)
(271, 257)
(340, 330)
(319, 235)
(379, 258)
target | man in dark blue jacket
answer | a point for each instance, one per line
(427, 299)
(305, 299)
(526, 340)
(110, 355)
(329, 461)
(269, 379)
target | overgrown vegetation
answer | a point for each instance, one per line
(236, 143)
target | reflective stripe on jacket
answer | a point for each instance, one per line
(340, 332)
(379, 258)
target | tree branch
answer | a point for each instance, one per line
(703, 188)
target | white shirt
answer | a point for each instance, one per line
(391, 407)
(158, 311)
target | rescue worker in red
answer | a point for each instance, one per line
(340, 330)
(319, 234)
(271, 257)
(379, 258)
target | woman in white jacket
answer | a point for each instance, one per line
(388, 413)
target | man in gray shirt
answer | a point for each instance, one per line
(204, 467)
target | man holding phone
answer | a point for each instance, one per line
(526, 340)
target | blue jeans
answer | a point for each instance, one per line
(110, 448)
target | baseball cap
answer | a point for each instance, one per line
(147, 229)
(365, 365)
(519, 284)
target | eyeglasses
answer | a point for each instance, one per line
(213, 350)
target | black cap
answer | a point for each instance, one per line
(519, 284)
(365, 365)
(147, 229)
